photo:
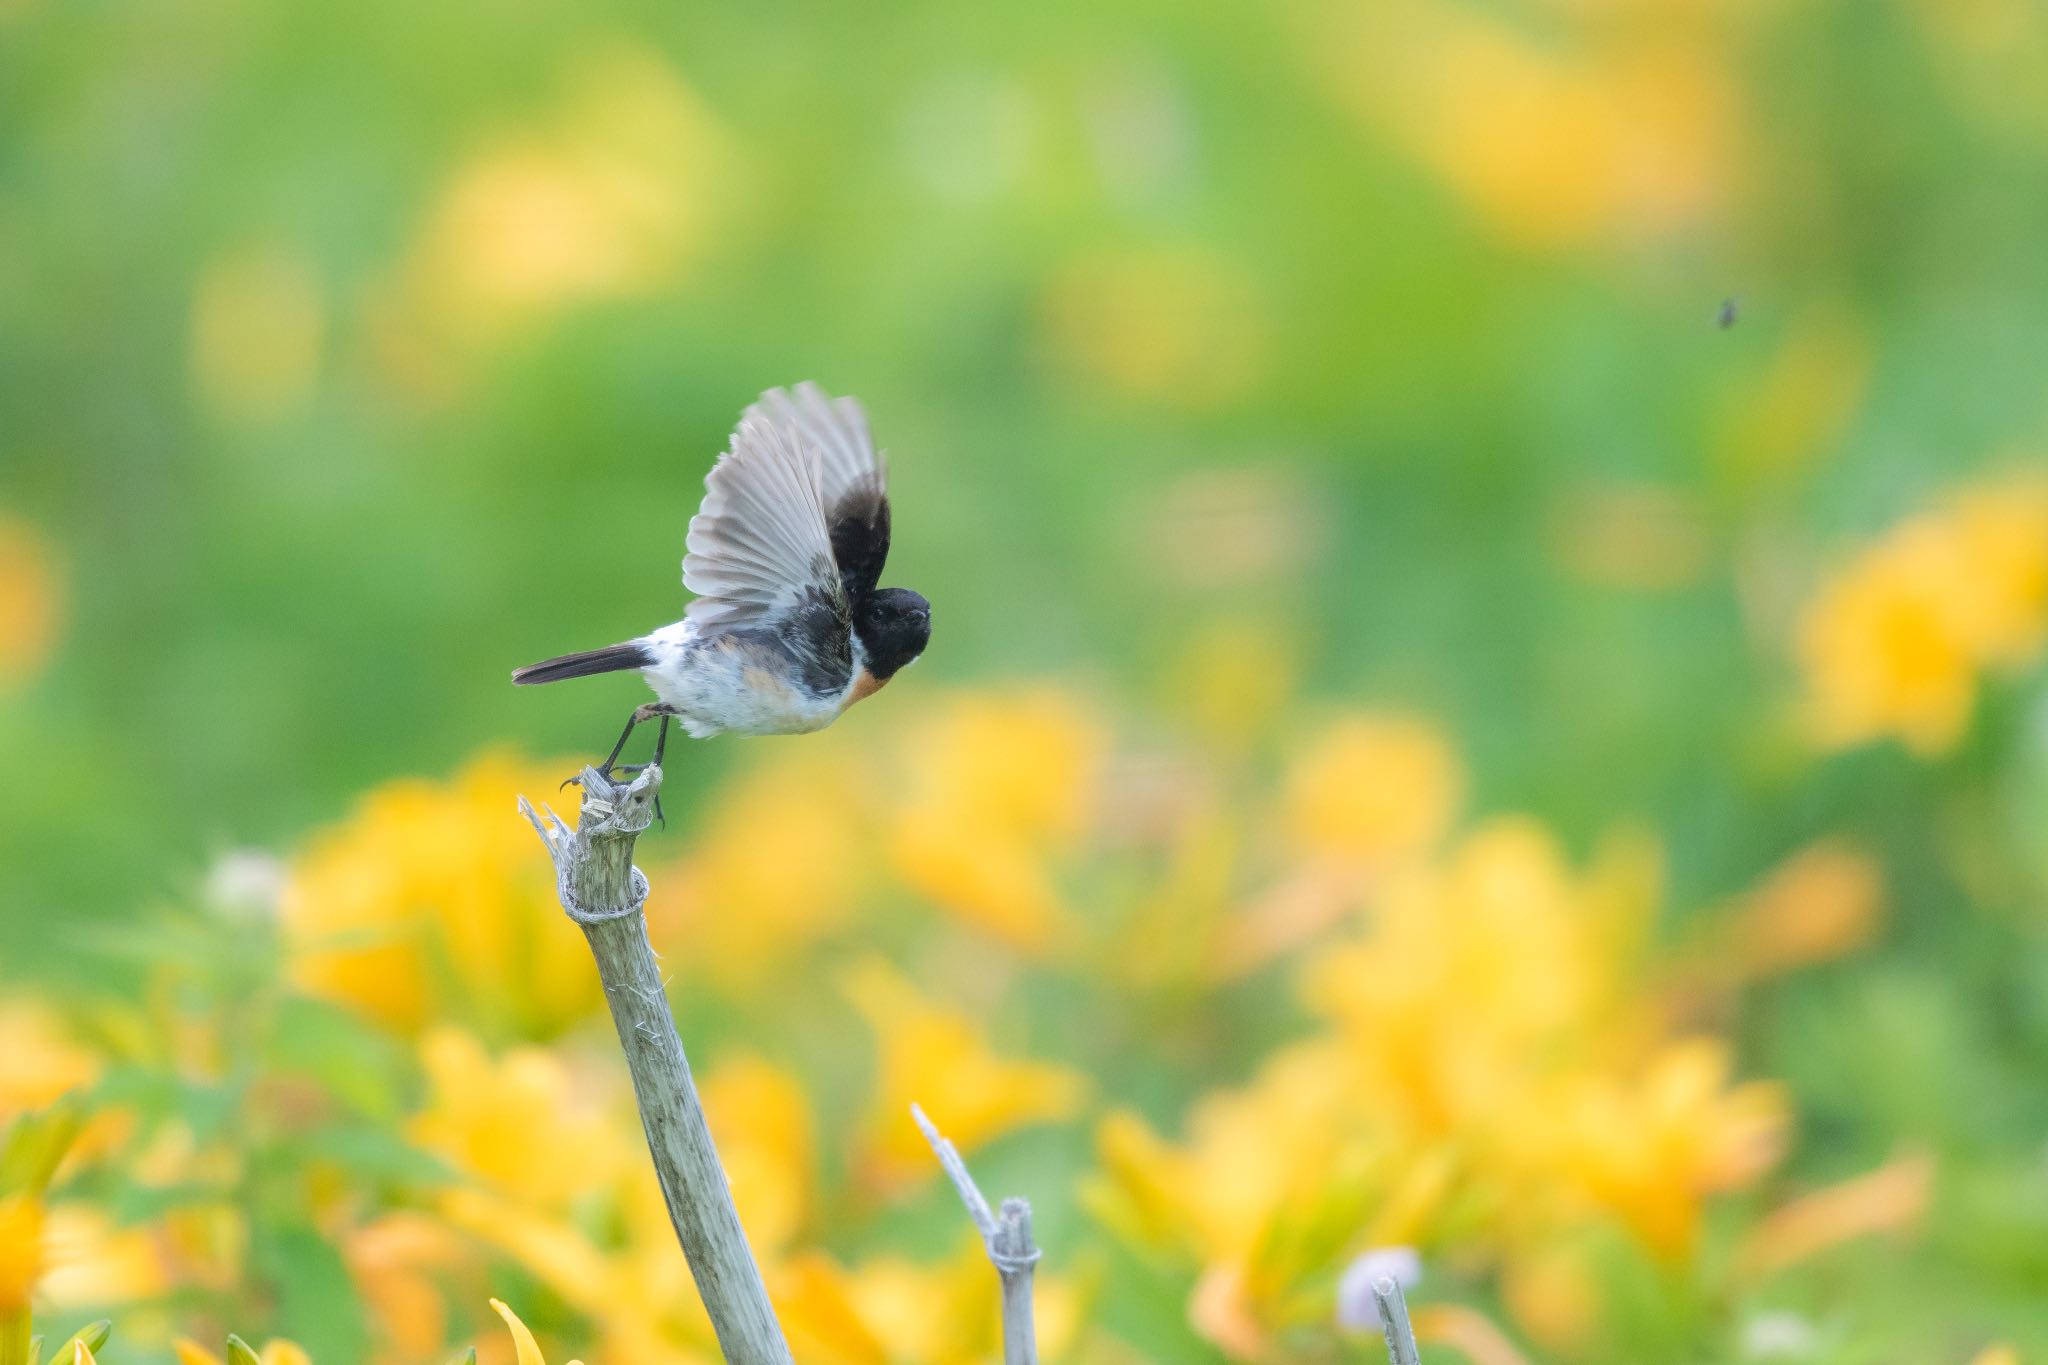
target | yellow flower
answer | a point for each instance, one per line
(891, 1311)
(428, 902)
(1999, 1354)
(39, 1061)
(1268, 1177)
(276, 1351)
(762, 1122)
(612, 193)
(1024, 761)
(777, 864)
(507, 1122)
(2003, 529)
(1893, 1197)
(1884, 649)
(1493, 1078)
(997, 786)
(596, 1232)
(1554, 1294)
(1373, 789)
(938, 1057)
(257, 328)
(526, 1348)
(1822, 902)
(93, 1260)
(1553, 146)
(21, 1251)
(31, 600)
(1648, 1147)
(399, 1263)
(1895, 644)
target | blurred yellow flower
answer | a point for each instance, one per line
(1024, 761)
(1648, 1146)
(276, 1351)
(761, 1120)
(1367, 794)
(508, 1121)
(776, 863)
(1175, 325)
(1631, 136)
(891, 1311)
(1272, 1182)
(608, 195)
(2000, 1354)
(1895, 643)
(21, 1252)
(596, 1230)
(1373, 789)
(1894, 1197)
(936, 1056)
(31, 600)
(39, 1060)
(400, 1263)
(996, 786)
(258, 324)
(1494, 1077)
(1822, 902)
(428, 902)
(91, 1259)
(1553, 1293)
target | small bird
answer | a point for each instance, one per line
(789, 626)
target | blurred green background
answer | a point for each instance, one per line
(351, 356)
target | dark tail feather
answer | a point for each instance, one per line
(610, 659)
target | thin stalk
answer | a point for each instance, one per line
(605, 894)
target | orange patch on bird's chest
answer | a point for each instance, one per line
(865, 686)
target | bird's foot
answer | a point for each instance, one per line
(611, 765)
(634, 770)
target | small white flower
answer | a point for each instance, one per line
(1778, 1334)
(246, 882)
(1357, 1309)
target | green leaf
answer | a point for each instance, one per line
(36, 1144)
(239, 1352)
(92, 1336)
(314, 1292)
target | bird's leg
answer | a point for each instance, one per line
(660, 748)
(640, 713)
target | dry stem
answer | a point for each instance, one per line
(604, 893)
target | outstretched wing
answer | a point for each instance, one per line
(852, 476)
(760, 557)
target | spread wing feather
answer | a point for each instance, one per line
(759, 545)
(853, 477)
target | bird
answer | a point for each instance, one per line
(789, 625)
